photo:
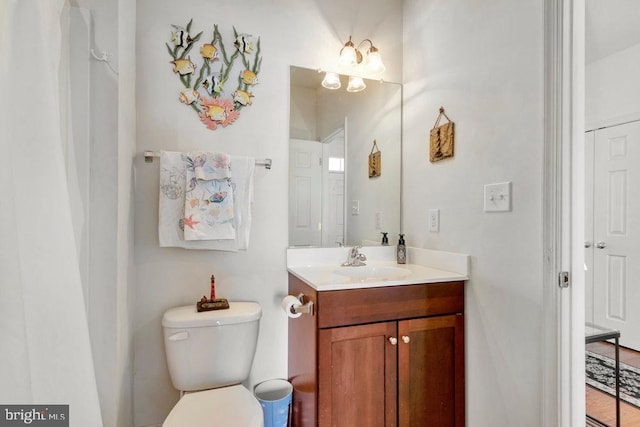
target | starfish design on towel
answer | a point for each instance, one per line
(190, 222)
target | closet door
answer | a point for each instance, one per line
(617, 231)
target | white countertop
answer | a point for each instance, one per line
(327, 278)
(321, 268)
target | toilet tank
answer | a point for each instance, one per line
(210, 349)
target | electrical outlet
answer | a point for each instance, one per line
(434, 220)
(497, 197)
(379, 220)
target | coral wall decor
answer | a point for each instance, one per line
(207, 73)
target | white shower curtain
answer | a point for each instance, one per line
(45, 354)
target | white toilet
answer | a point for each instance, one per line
(209, 354)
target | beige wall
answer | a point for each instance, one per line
(483, 61)
(612, 89)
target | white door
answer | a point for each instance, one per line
(305, 192)
(616, 253)
(333, 224)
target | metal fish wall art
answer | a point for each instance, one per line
(207, 80)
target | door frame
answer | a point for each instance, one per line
(563, 389)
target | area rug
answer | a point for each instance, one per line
(600, 373)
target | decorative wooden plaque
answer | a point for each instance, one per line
(441, 139)
(375, 161)
(212, 304)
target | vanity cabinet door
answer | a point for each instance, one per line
(431, 371)
(358, 375)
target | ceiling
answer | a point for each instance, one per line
(611, 26)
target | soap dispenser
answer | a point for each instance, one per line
(385, 239)
(401, 251)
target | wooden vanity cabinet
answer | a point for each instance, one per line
(387, 356)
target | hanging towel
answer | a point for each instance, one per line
(242, 182)
(172, 196)
(208, 205)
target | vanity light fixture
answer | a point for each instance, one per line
(331, 80)
(350, 56)
(356, 84)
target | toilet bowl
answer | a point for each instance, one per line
(209, 355)
(232, 406)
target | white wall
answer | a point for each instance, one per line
(483, 61)
(374, 114)
(306, 33)
(125, 288)
(303, 113)
(102, 293)
(613, 89)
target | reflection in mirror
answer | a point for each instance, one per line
(332, 199)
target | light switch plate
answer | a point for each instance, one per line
(497, 197)
(355, 207)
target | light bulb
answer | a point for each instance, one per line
(374, 62)
(356, 84)
(331, 81)
(348, 55)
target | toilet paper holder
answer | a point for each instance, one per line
(304, 307)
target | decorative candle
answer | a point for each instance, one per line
(213, 288)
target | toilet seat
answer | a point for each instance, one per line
(231, 406)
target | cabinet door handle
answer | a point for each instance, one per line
(393, 340)
(601, 245)
(406, 339)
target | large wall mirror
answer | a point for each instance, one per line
(332, 199)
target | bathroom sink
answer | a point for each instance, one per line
(373, 272)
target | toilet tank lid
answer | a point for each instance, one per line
(188, 317)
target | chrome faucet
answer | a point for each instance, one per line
(355, 258)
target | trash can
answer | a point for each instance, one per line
(275, 398)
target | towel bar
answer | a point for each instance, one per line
(149, 155)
